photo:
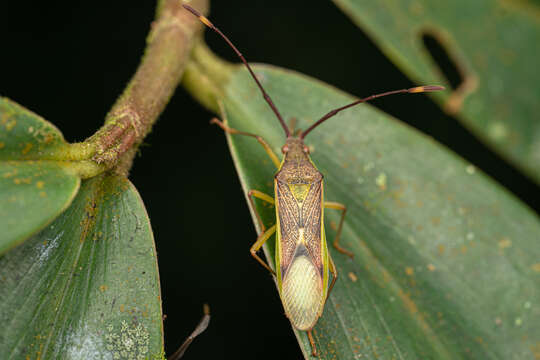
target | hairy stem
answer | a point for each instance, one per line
(131, 118)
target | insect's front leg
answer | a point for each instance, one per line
(343, 208)
(261, 141)
(260, 195)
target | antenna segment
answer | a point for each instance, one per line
(208, 23)
(418, 89)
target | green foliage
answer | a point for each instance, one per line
(446, 261)
(87, 286)
(494, 46)
(33, 190)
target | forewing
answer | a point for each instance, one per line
(289, 216)
(303, 286)
(295, 215)
(312, 217)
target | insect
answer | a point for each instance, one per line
(303, 261)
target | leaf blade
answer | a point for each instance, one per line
(420, 222)
(89, 281)
(27, 182)
(493, 48)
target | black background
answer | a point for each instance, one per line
(69, 61)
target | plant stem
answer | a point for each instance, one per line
(205, 75)
(131, 118)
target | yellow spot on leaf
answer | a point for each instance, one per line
(27, 148)
(497, 131)
(536, 267)
(440, 249)
(409, 271)
(42, 194)
(47, 138)
(431, 267)
(409, 304)
(102, 288)
(386, 276)
(40, 184)
(535, 349)
(416, 8)
(505, 243)
(18, 181)
(471, 169)
(2, 145)
(381, 181)
(10, 125)
(352, 276)
(10, 174)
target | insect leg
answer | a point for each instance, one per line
(262, 196)
(333, 271)
(261, 239)
(312, 342)
(343, 208)
(261, 141)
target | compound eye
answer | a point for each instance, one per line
(306, 149)
(285, 149)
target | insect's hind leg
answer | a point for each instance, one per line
(312, 343)
(265, 234)
(343, 208)
(261, 141)
(334, 273)
(261, 239)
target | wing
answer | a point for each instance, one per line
(312, 217)
(299, 210)
(301, 282)
(289, 221)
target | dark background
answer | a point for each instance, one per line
(69, 61)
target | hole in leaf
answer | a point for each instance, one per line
(441, 57)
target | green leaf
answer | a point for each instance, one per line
(87, 286)
(446, 263)
(33, 191)
(494, 45)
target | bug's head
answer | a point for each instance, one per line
(294, 148)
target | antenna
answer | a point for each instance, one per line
(418, 89)
(207, 22)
